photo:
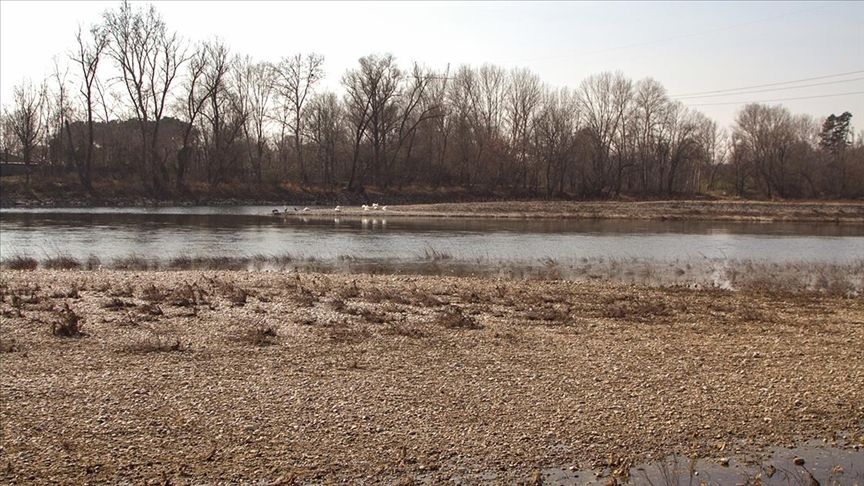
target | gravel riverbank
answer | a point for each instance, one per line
(848, 212)
(198, 377)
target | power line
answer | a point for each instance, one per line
(779, 99)
(773, 89)
(767, 85)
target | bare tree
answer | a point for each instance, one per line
(357, 116)
(415, 106)
(603, 101)
(256, 80)
(87, 57)
(218, 130)
(149, 58)
(297, 76)
(465, 113)
(649, 132)
(713, 140)
(8, 139)
(554, 136)
(58, 109)
(684, 147)
(324, 119)
(371, 93)
(196, 95)
(27, 119)
(522, 102)
(477, 97)
(768, 135)
(440, 129)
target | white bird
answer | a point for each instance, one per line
(338, 209)
(306, 209)
(365, 207)
(383, 208)
(374, 205)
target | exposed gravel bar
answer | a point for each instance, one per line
(840, 212)
(191, 377)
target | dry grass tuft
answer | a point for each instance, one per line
(181, 262)
(453, 317)
(259, 335)
(151, 293)
(304, 298)
(125, 290)
(235, 295)
(93, 263)
(72, 293)
(116, 304)
(20, 262)
(62, 262)
(131, 262)
(187, 295)
(432, 255)
(69, 324)
(151, 309)
(155, 342)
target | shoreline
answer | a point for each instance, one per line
(229, 376)
(737, 211)
(838, 212)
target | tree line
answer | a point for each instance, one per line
(137, 103)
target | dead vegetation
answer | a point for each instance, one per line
(452, 317)
(154, 341)
(62, 262)
(257, 335)
(67, 323)
(20, 262)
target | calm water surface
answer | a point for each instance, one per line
(250, 230)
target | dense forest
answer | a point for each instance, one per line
(136, 105)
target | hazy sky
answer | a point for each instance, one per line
(689, 47)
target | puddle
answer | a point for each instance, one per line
(825, 465)
(780, 466)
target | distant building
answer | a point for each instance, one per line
(12, 165)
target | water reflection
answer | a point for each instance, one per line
(249, 230)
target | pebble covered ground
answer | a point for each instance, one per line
(227, 377)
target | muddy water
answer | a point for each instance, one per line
(249, 230)
(826, 464)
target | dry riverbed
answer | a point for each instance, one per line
(190, 377)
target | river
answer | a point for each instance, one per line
(249, 230)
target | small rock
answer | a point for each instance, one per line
(798, 461)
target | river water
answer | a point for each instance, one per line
(250, 230)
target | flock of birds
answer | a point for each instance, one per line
(338, 209)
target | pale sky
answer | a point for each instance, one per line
(689, 47)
